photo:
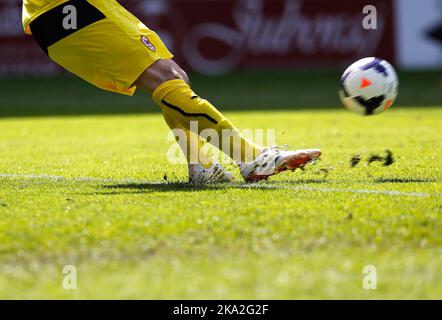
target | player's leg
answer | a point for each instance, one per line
(202, 169)
(171, 91)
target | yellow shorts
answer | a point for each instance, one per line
(110, 48)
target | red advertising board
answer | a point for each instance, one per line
(220, 36)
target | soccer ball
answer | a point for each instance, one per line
(369, 86)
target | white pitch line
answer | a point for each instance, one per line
(243, 186)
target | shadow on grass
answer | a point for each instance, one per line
(271, 185)
(165, 187)
(146, 187)
(151, 187)
(298, 182)
(404, 180)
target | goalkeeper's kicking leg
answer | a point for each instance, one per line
(170, 88)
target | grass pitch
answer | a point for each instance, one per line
(89, 191)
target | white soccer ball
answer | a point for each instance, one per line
(369, 86)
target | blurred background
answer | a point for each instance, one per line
(242, 54)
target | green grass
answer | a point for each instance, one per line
(299, 235)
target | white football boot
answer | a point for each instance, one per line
(214, 174)
(273, 161)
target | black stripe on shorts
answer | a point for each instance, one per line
(48, 28)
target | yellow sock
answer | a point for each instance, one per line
(193, 142)
(179, 102)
